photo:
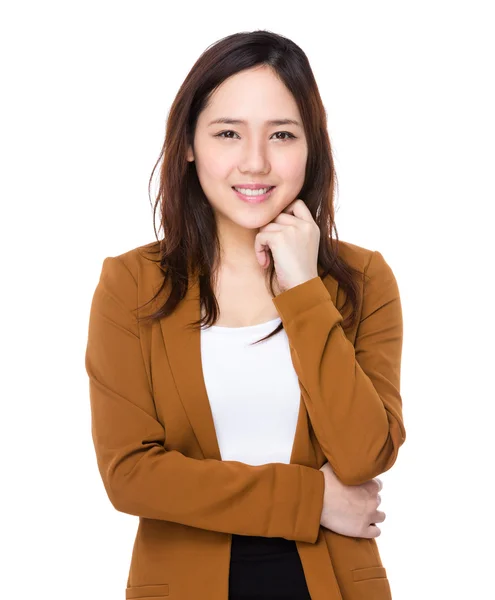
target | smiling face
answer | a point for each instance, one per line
(232, 154)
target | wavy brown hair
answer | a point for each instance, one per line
(190, 245)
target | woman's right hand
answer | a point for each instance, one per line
(351, 509)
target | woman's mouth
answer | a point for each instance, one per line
(254, 196)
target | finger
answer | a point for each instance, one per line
(271, 226)
(373, 531)
(299, 209)
(373, 486)
(260, 246)
(267, 260)
(286, 218)
(379, 516)
(263, 258)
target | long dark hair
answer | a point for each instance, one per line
(190, 245)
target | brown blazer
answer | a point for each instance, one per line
(157, 450)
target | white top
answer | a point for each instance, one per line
(253, 391)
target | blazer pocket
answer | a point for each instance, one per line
(147, 592)
(369, 573)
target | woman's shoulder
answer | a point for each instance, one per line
(379, 273)
(355, 256)
(140, 256)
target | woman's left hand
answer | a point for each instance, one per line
(294, 239)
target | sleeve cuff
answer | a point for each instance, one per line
(302, 297)
(309, 517)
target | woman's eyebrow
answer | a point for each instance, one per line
(230, 121)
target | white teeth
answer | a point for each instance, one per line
(249, 192)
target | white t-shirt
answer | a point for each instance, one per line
(253, 391)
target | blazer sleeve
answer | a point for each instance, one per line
(351, 392)
(141, 477)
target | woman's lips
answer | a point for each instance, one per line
(255, 199)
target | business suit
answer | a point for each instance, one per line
(157, 450)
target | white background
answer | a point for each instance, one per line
(409, 92)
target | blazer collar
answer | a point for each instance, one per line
(183, 350)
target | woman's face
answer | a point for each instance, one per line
(250, 152)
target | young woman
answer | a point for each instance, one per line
(245, 414)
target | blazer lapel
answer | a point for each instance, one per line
(184, 354)
(183, 347)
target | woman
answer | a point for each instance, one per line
(241, 417)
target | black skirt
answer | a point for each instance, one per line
(266, 568)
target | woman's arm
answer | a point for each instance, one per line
(141, 477)
(351, 392)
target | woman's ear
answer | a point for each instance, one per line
(190, 154)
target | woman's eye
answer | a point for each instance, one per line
(221, 134)
(287, 133)
(290, 135)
